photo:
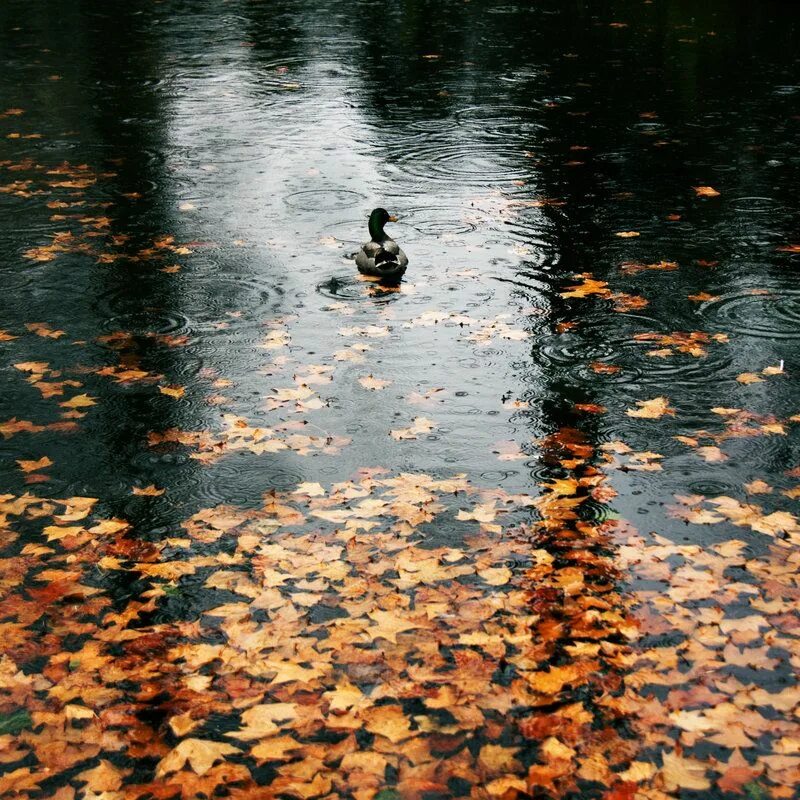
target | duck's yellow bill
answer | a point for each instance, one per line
(392, 218)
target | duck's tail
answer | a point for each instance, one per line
(386, 260)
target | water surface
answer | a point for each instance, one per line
(183, 187)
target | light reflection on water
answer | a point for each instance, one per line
(503, 139)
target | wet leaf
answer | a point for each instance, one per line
(651, 409)
(32, 466)
(147, 491)
(372, 383)
(199, 754)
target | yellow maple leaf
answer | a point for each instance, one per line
(173, 391)
(683, 773)
(388, 625)
(199, 754)
(79, 401)
(388, 721)
(276, 748)
(651, 409)
(31, 366)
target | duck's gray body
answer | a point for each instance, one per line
(381, 257)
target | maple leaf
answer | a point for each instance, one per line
(276, 748)
(79, 401)
(388, 625)
(147, 491)
(19, 780)
(705, 191)
(345, 696)
(288, 672)
(173, 391)
(749, 377)
(32, 366)
(388, 721)
(310, 489)
(651, 409)
(628, 302)
(758, 487)
(683, 773)
(777, 522)
(44, 330)
(589, 286)
(737, 773)
(711, 454)
(638, 771)
(181, 724)
(199, 754)
(260, 721)
(105, 777)
(372, 383)
(496, 576)
(418, 426)
(32, 466)
(481, 513)
(627, 234)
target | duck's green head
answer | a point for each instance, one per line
(377, 219)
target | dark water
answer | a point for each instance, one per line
(278, 126)
(514, 142)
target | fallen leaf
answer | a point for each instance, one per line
(372, 383)
(199, 754)
(147, 491)
(173, 391)
(32, 466)
(651, 409)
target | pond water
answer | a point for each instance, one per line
(599, 202)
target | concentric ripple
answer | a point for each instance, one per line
(487, 164)
(771, 315)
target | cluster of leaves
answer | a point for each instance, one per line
(318, 646)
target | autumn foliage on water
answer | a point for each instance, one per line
(323, 643)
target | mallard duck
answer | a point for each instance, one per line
(381, 257)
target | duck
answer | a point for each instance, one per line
(381, 257)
